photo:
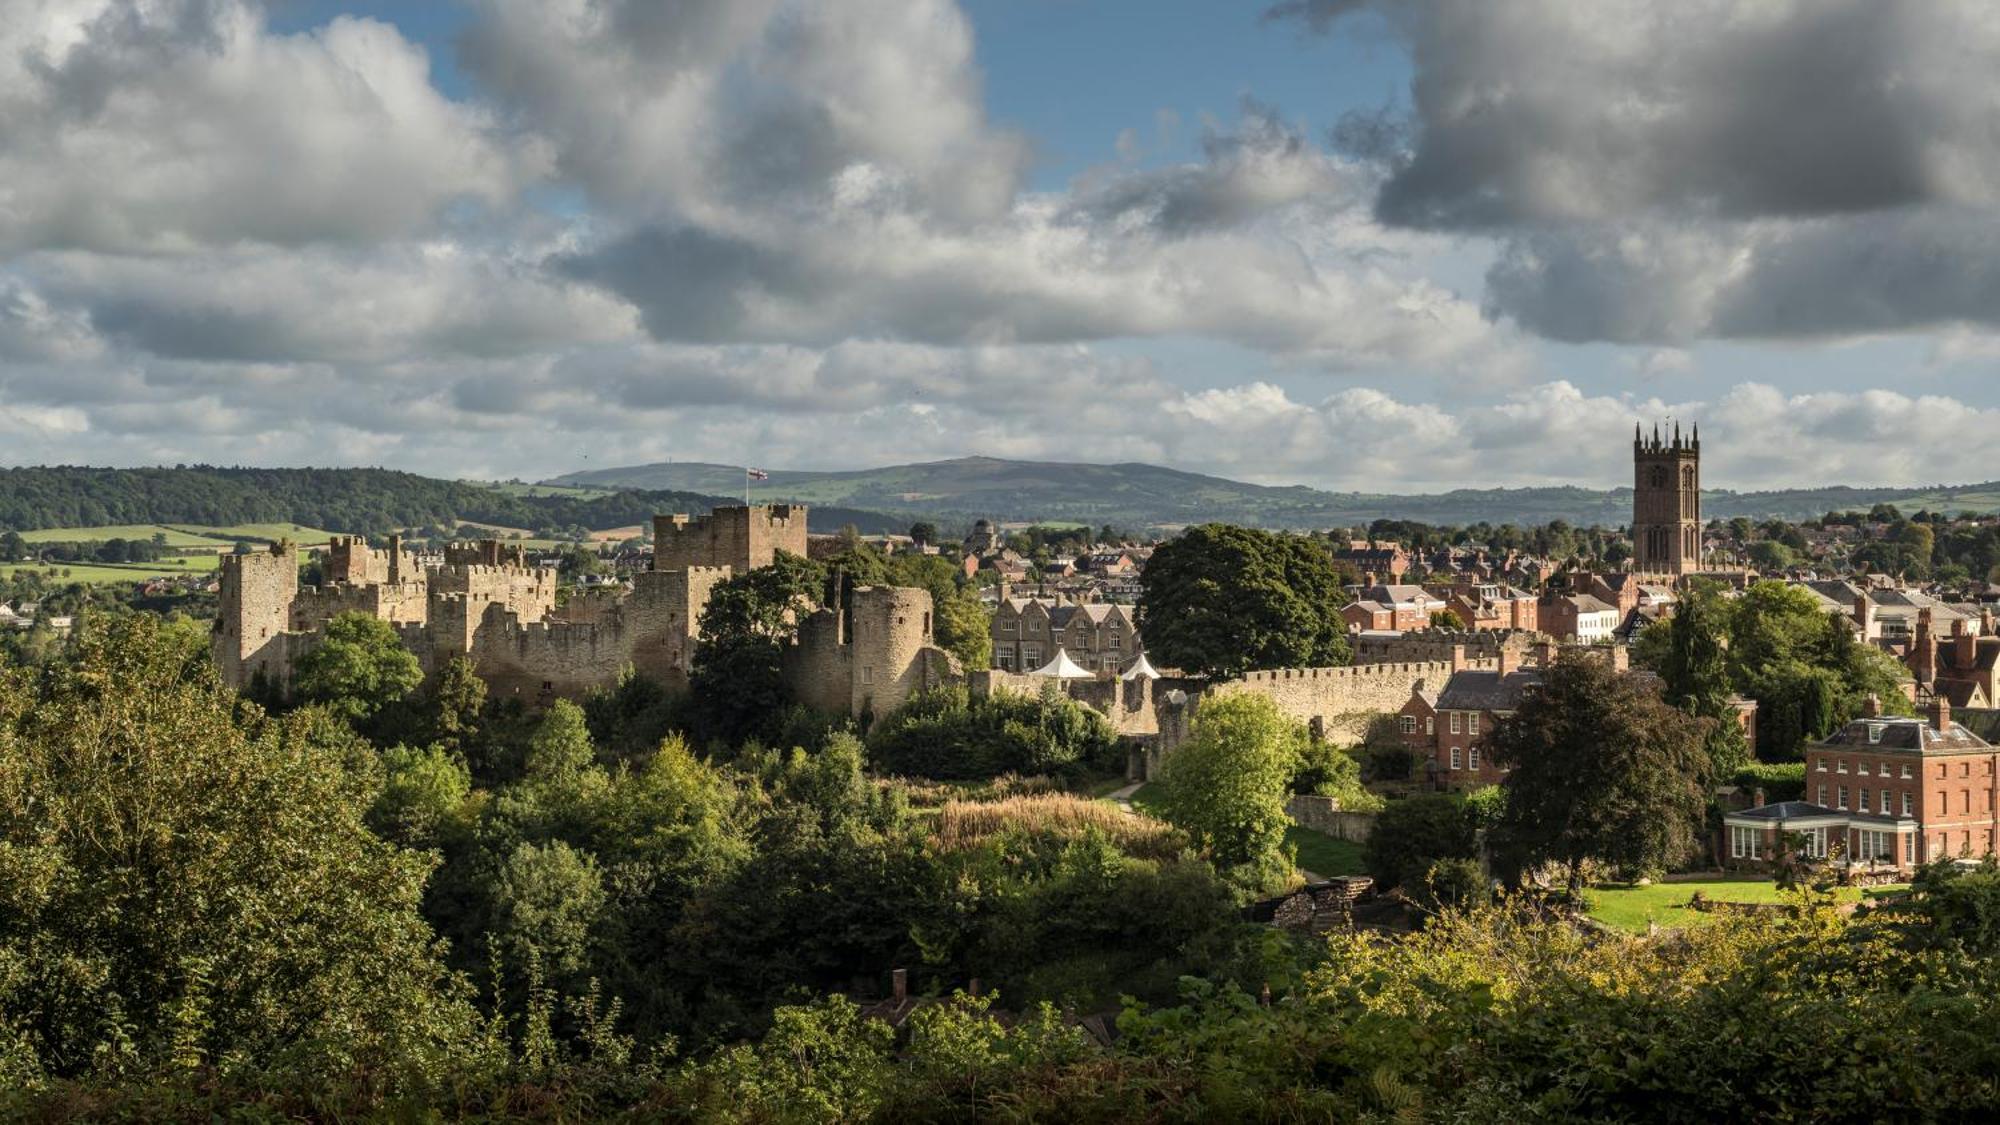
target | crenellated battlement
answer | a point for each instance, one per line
(732, 536)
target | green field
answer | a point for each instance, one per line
(140, 531)
(115, 572)
(580, 492)
(1631, 907)
(297, 533)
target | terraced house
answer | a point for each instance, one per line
(1100, 636)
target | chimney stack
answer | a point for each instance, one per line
(1504, 659)
(1964, 644)
(1871, 708)
(899, 986)
(1940, 714)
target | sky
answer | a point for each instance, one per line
(1396, 245)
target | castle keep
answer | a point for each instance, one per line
(487, 604)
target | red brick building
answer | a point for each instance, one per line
(1883, 792)
(1452, 726)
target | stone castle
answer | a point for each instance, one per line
(487, 604)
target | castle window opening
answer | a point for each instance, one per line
(867, 673)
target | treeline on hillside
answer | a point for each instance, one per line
(370, 501)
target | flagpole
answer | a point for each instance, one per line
(746, 486)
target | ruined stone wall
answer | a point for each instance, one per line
(737, 537)
(1324, 814)
(1130, 705)
(819, 667)
(543, 660)
(662, 618)
(254, 607)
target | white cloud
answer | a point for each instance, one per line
(171, 124)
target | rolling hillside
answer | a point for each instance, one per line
(1136, 496)
(63, 501)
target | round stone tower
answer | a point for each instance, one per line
(891, 629)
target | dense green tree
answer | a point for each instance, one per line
(453, 699)
(947, 733)
(1412, 834)
(923, 533)
(1694, 674)
(185, 883)
(1222, 600)
(737, 688)
(359, 667)
(1226, 785)
(1601, 769)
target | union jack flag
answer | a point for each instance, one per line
(758, 474)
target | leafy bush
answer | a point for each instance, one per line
(1412, 834)
(948, 734)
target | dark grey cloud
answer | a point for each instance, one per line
(1676, 283)
(1540, 111)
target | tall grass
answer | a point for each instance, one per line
(965, 824)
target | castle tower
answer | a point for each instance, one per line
(737, 537)
(1666, 502)
(253, 612)
(891, 628)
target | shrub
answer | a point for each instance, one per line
(1412, 834)
(1780, 781)
(947, 734)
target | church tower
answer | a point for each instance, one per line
(1666, 502)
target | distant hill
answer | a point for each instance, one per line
(1136, 495)
(370, 501)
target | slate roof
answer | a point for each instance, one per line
(1905, 734)
(1486, 690)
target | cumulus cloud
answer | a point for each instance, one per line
(181, 123)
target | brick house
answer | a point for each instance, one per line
(1882, 792)
(1493, 605)
(1397, 607)
(1383, 560)
(1453, 727)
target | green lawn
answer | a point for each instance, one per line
(1324, 855)
(1630, 908)
(144, 531)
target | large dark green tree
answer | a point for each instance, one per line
(1601, 769)
(1222, 600)
(1694, 673)
(185, 883)
(737, 688)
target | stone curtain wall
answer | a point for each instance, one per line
(1323, 814)
(1339, 702)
